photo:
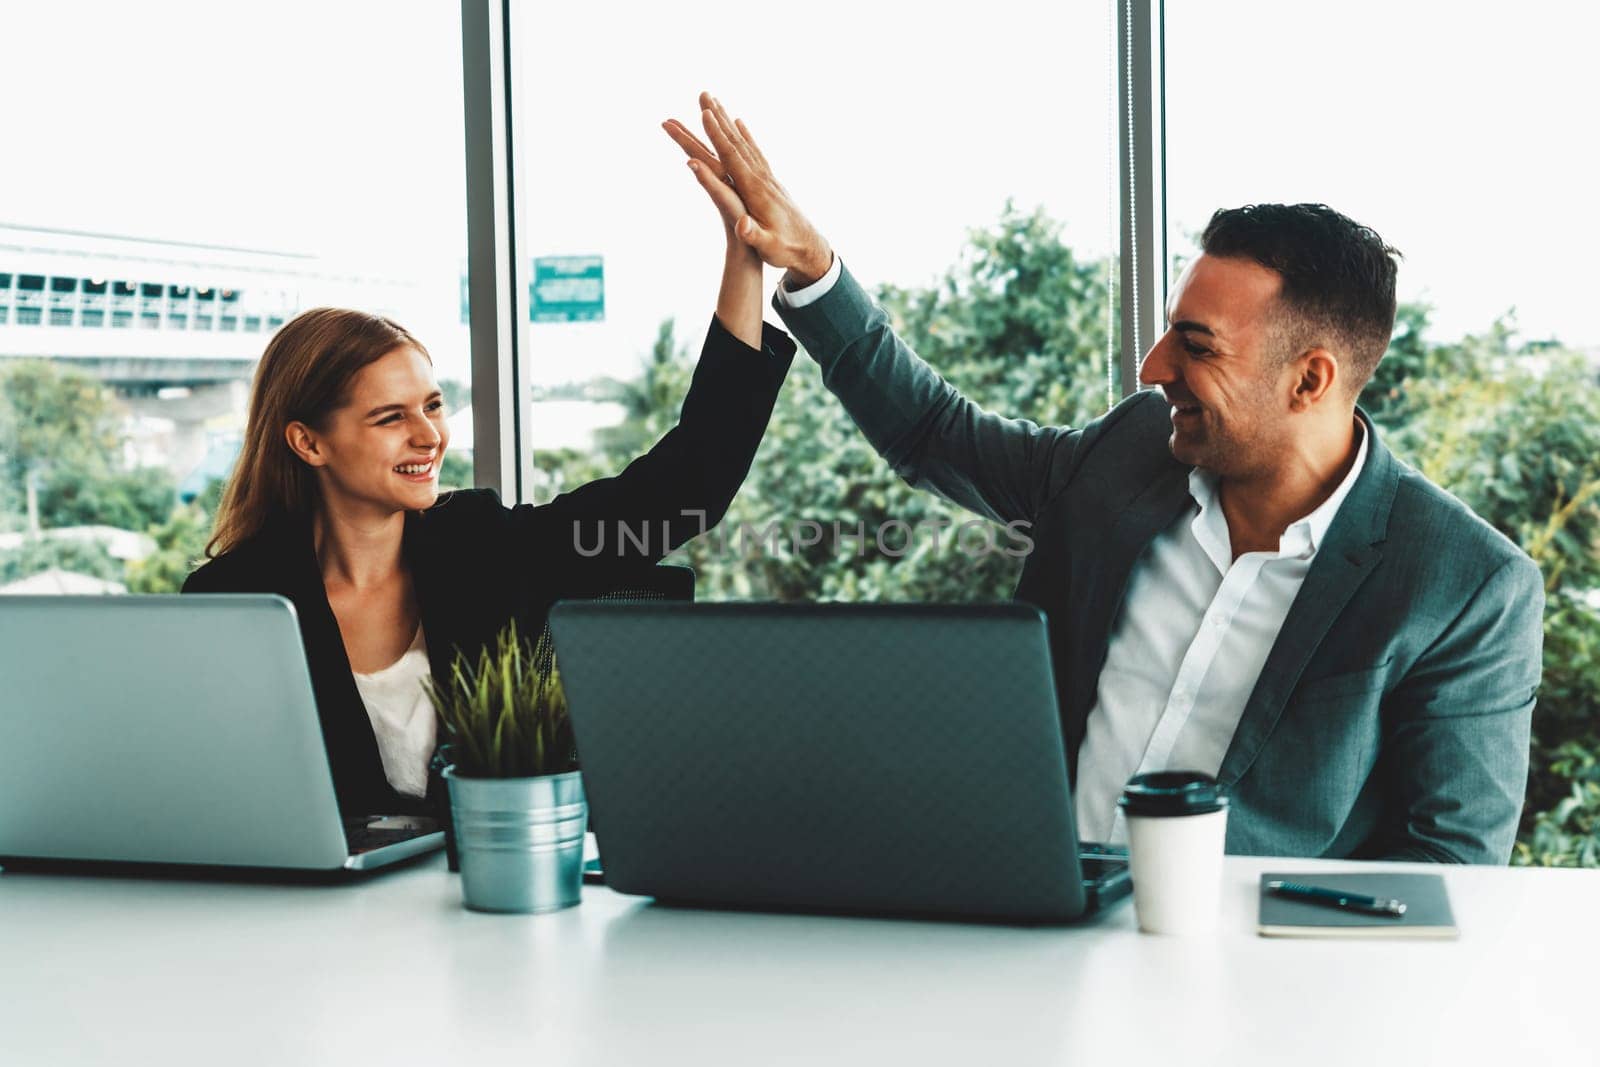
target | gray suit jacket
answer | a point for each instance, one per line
(1391, 718)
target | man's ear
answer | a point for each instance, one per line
(304, 443)
(1317, 373)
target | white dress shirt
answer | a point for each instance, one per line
(402, 717)
(1189, 640)
(810, 294)
(1187, 646)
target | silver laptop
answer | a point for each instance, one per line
(172, 730)
(881, 758)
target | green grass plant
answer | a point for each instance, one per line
(505, 713)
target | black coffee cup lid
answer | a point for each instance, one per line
(1163, 793)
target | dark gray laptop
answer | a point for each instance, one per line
(172, 730)
(891, 759)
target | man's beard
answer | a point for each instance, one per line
(1218, 448)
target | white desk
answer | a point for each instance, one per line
(395, 971)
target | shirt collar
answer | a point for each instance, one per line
(1302, 537)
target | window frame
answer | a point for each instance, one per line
(501, 458)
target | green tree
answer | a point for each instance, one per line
(1410, 359)
(180, 544)
(49, 418)
(59, 428)
(650, 400)
(37, 555)
(180, 548)
(74, 495)
(52, 416)
(1514, 432)
(455, 472)
(1019, 325)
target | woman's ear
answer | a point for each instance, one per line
(303, 442)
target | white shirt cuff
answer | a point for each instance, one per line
(818, 289)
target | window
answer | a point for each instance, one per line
(1451, 138)
(282, 205)
(899, 172)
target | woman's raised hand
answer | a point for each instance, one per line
(713, 178)
(753, 205)
(739, 297)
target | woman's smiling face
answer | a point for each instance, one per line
(381, 450)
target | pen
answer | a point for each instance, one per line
(1337, 898)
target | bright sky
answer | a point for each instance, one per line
(336, 128)
(1462, 133)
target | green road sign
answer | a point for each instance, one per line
(567, 289)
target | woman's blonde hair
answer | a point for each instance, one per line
(304, 375)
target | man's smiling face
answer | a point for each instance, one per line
(1220, 366)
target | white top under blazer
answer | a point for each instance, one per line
(402, 717)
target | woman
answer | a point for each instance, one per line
(334, 504)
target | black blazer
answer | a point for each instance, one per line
(476, 564)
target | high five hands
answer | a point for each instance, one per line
(753, 206)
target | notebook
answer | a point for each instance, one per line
(1427, 907)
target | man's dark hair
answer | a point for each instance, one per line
(1338, 277)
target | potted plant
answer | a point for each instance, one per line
(516, 798)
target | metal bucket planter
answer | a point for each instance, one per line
(520, 840)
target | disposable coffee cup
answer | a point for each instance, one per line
(1177, 821)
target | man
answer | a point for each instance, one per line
(1239, 577)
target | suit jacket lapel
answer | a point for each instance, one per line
(1153, 510)
(1349, 552)
(440, 622)
(352, 746)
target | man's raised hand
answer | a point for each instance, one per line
(769, 221)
